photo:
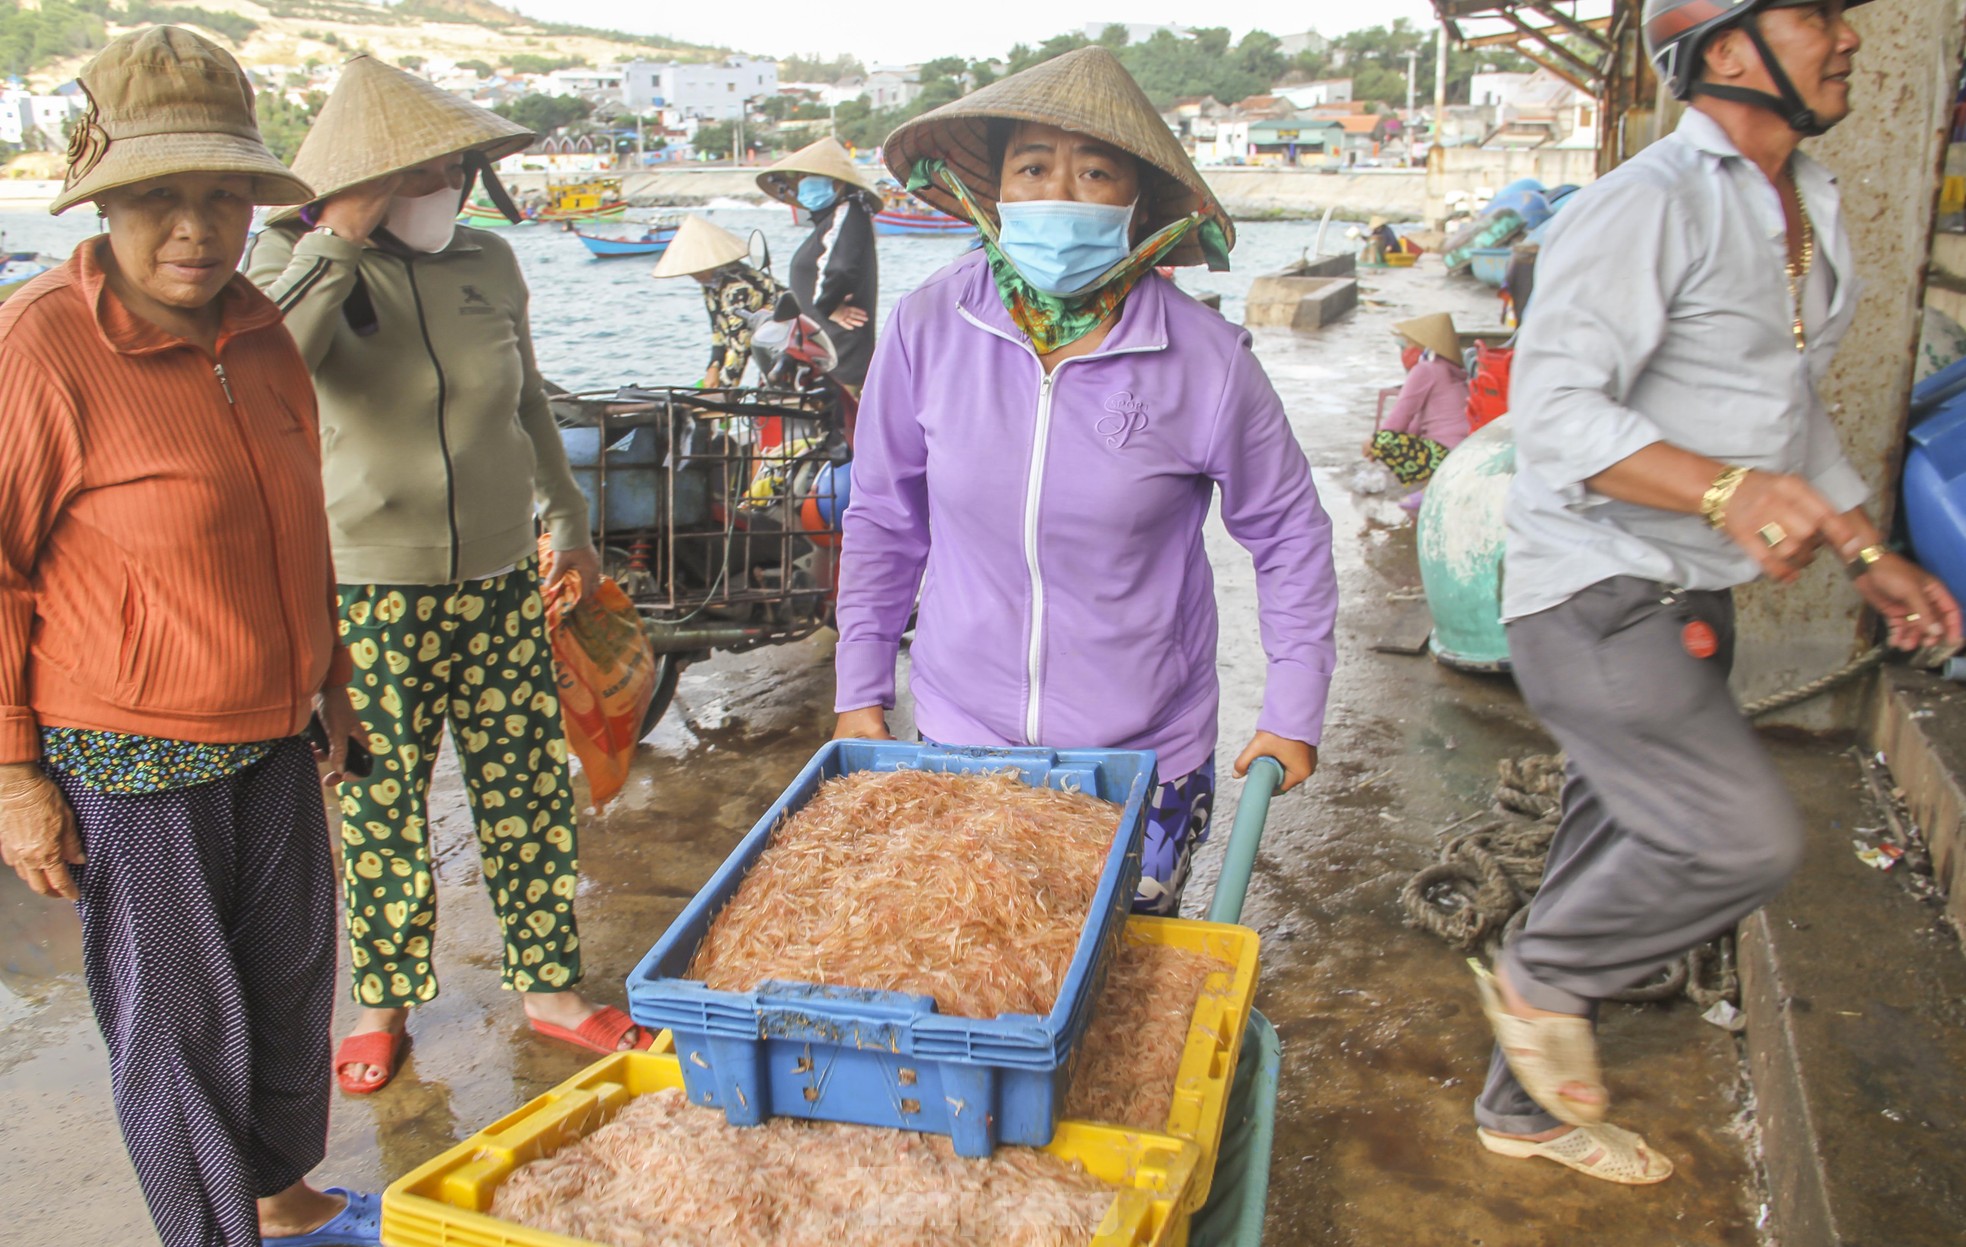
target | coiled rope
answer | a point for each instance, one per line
(1476, 897)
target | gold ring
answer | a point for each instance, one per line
(1912, 618)
(1774, 534)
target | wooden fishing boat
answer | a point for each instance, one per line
(653, 242)
(596, 199)
(902, 216)
(484, 216)
(896, 223)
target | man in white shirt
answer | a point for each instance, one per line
(1671, 445)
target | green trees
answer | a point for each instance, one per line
(544, 114)
(713, 138)
(819, 69)
(528, 63)
(283, 124)
(30, 38)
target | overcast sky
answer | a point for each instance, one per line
(886, 31)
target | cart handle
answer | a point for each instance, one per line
(1239, 861)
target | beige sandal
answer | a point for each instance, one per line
(1546, 1053)
(1602, 1151)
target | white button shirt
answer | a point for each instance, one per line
(1662, 313)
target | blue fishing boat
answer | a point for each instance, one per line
(653, 242)
(1490, 265)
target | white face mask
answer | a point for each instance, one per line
(424, 222)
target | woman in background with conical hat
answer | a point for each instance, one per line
(165, 634)
(1066, 416)
(733, 291)
(1430, 416)
(440, 454)
(835, 274)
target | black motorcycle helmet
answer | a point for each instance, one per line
(1676, 36)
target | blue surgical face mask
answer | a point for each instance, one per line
(816, 194)
(1062, 246)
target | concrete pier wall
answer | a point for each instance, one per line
(1471, 169)
(1888, 156)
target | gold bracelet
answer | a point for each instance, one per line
(1713, 503)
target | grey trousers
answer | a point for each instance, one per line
(1675, 823)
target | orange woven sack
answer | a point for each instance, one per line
(1488, 389)
(607, 673)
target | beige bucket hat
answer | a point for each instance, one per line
(161, 101)
(381, 120)
(826, 158)
(1435, 332)
(700, 247)
(1087, 92)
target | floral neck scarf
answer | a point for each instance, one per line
(1052, 321)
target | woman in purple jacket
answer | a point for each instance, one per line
(1045, 425)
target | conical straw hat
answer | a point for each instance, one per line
(1088, 92)
(700, 247)
(1435, 332)
(826, 157)
(164, 101)
(381, 120)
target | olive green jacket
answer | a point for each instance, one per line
(437, 444)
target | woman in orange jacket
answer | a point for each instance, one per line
(166, 630)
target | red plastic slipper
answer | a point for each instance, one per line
(601, 1032)
(383, 1049)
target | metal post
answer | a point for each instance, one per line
(1440, 84)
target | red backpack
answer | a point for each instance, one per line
(1488, 389)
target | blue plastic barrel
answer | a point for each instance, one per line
(638, 480)
(1935, 494)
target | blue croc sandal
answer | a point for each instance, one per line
(358, 1225)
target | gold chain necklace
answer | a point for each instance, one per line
(1798, 270)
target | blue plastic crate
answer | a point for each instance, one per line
(883, 1058)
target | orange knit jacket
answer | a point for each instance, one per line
(164, 565)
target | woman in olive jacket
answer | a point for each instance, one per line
(441, 458)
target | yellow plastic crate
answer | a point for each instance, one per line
(1208, 1062)
(444, 1203)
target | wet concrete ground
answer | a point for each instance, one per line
(1383, 1043)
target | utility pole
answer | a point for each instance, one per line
(737, 137)
(1440, 85)
(1412, 57)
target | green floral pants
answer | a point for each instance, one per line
(476, 654)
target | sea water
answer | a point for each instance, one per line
(597, 323)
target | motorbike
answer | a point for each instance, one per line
(718, 510)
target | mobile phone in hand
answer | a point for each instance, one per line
(360, 761)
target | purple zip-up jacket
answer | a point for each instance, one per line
(1054, 528)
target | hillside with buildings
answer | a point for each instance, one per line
(606, 101)
(273, 35)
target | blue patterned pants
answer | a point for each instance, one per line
(1176, 822)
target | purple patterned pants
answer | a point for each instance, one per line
(208, 945)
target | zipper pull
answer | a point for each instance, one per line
(218, 370)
